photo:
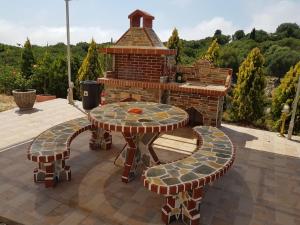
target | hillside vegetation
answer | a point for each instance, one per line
(45, 68)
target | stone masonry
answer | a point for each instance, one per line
(144, 70)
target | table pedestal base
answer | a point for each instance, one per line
(185, 207)
(136, 156)
(101, 139)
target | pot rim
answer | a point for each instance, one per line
(27, 91)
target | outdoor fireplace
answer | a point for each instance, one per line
(143, 69)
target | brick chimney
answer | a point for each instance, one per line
(135, 19)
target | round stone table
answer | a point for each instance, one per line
(140, 123)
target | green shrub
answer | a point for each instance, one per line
(8, 76)
(285, 94)
(27, 60)
(248, 96)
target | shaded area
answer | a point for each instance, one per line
(261, 188)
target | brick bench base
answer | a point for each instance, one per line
(51, 149)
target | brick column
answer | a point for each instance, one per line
(185, 206)
(131, 162)
(101, 139)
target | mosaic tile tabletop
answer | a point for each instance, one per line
(138, 117)
(53, 142)
(211, 161)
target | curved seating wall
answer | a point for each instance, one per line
(54, 143)
(211, 161)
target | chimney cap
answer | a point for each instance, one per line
(141, 13)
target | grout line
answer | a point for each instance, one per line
(15, 145)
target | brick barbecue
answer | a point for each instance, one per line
(143, 69)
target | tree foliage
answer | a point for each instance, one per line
(248, 96)
(238, 35)
(174, 42)
(288, 30)
(27, 60)
(90, 68)
(252, 34)
(280, 60)
(212, 53)
(285, 94)
(41, 74)
(221, 38)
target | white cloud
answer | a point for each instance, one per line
(203, 29)
(273, 15)
(11, 33)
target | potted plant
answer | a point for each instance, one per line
(23, 95)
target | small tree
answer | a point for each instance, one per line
(212, 53)
(90, 68)
(174, 42)
(27, 60)
(238, 35)
(285, 94)
(41, 74)
(248, 95)
(253, 34)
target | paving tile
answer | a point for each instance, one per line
(260, 189)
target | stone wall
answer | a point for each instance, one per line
(116, 94)
(210, 107)
(205, 73)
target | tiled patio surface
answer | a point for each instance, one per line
(262, 188)
(16, 126)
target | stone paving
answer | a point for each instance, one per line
(16, 126)
(262, 187)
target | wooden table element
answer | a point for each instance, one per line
(140, 123)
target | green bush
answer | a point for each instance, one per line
(285, 94)
(8, 76)
(248, 96)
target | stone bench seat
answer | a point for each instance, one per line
(182, 181)
(52, 147)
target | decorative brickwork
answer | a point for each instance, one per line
(205, 73)
(142, 125)
(207, 105)
(182, 181)
(144, 70)
(52, 148)
(116, 94)
(139, 67)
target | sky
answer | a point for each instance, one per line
(43, 21)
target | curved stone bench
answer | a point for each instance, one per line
(182, 181)
(52, 147)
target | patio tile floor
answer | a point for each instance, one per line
(262, 188)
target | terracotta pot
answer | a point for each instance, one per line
(45, 97)
(24, 99)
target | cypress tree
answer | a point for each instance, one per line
(27, 60)
(248, 95)
(41, 74)
(212, 53)
(253, 34)
(174, 42)
(285, 94)
(90, 68)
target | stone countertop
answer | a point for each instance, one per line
(189, 87)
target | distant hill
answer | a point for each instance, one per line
(281, 49)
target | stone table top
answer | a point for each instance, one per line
(138, 117)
